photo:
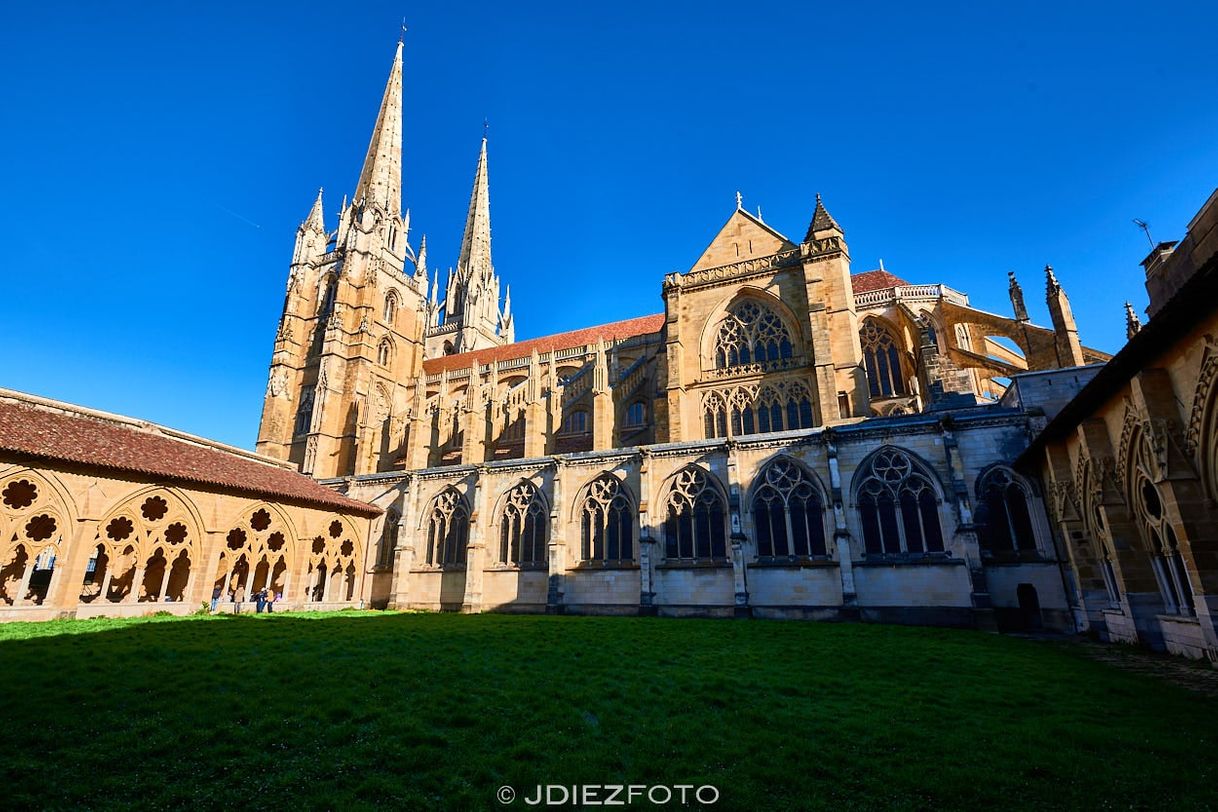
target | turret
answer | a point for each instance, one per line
(1069, 350)
(1016, 293)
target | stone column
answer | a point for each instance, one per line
(30, 561)
(557, 558)
(472, 601)
(966, 531)
(841, 531)
(647, 604)
(133, 595)
(738, 539)
(160, 595)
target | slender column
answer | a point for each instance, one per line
(105, 587)
(325, 591)
(738, 539)
(472, 601)
(646, 578)
(556, 557)
(30, 560)
(160, 596)
(133, 595)
(841, 532)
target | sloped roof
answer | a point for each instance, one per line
(875, 280)
(61, 432)
(560, 341)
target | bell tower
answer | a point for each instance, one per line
(351, 333)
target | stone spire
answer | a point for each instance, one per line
(822, 220)
(475, 259)
(1132, 323)
(316, 221)
(420, 265)
(1016, 292)
(380, 181)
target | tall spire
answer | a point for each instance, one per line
(380, 181)
(1016, 293)
(822, 220)
(475, 259)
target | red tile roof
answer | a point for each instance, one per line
(560, 341)
(874, 280)
(60, 432)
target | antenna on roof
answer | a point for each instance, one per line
(1142, 224)
(759, 212)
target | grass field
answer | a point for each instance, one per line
(406, 711)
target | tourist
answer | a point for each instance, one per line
(270, 601)
(215, 597)
(259, 601)
(238, 597)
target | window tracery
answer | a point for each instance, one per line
(1156, 527)
(447, 529)
(781, 406)
(1003, 517)
(695, 527)
(751, 333)
(606, 526)
(33, 521)
(391, 308)
(788, 514)
(882, 360)
(333, 566)
(257, 555)
(523, 527)
(898, 506)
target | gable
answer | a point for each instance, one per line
(743, 236)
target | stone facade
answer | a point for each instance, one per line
(788, 438)
(1132, 463)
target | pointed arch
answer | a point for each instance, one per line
(788, 508)
(524, 525)
(897, 496)
(696, 515)
(447, 526)
(753, 329)
(1004, 512)
(259, 551)
(1155, 525)
(606, 511)
(389, 313)
(884, 358)
(36, 519)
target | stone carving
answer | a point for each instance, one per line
(277, 387)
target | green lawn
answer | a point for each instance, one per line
(411, 711)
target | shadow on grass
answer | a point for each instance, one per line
(372, 709)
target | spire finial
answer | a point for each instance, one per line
(486, 127)
(739, 200)
(1132, 323)
(402, 35)
(1015, 291)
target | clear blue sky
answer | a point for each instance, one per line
(157, 158)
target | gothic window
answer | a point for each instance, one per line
(447, 529)
(607, 529)
(714, 410)
(384, 352)
(882, 360)
(695, 527)
(391, 308)
(636, 414)
(329, 291)
(787, 513)
(523, 527)
(304, 414)
(575, 422)
(1166, 560)
(389, 537)
(898, 506)
(1003, 517)
(751, 334)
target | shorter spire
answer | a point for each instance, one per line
(317, 216)
(1132, 323)
(822, 220)
(1052, 286)
(420, 265)
(1016, 293)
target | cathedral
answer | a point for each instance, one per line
(788, 438)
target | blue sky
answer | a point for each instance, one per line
(158, 157)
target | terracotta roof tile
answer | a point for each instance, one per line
(875, 280)
(61, 432)
(560, 341)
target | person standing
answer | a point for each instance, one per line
(260, 601)
(215, 597)
(238, 598)
(270, 601)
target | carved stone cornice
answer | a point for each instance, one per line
(745, 268)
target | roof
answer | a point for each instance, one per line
(60, 432)
(618, 330)
(1193, 302)
(875, 280)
